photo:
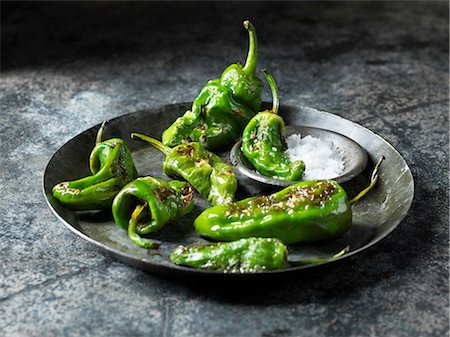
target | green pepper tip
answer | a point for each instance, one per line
(320, 260)
(274, 88)
(99, 137)
(154, 142)
(248, 25)
(138, 240)
(252, 56)
(373, 181)
(342, 252)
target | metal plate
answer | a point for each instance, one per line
(374, 217)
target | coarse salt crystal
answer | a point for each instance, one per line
(322, 158)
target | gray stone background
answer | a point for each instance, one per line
(68, 66)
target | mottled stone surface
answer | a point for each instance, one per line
(66, 67)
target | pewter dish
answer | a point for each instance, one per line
(373, 218)
(354, 156)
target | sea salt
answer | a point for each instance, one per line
(322, 158)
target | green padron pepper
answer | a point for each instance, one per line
(304, 212)
(205, 171)
(112, 168)
(224, 106)
(146, 204)
(264, 142)
(246, 255)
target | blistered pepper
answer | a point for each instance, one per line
(146, 204)
(205, 171)
(304, 212)
(264, 142)
(246, 255)
(241, 256)
(224, 106)
(112, 168)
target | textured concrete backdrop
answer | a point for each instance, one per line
(68, 66)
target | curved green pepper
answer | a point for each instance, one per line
(146, 204)
(246, 255)
(112, 168)
(224, 106)
(264, 142)
(205, 171)
(305, 212)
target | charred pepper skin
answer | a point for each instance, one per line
(305, 212)
(224, 106)
(264, 143)
(308, 211)
(112, 168)
(146, 204)
(215, 120)
(205, 171)
(242, 256)
(248, 255)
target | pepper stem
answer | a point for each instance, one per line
(273, 86)
(155, 143)
(134, 237)
(99, 137)
(252, 56)
(373, 181)
(313, 261)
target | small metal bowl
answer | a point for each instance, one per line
(355, 157)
